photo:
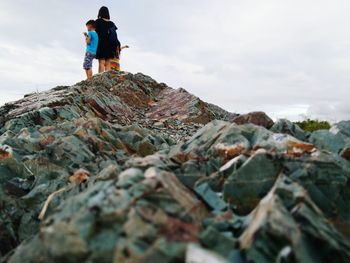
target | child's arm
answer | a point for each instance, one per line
(87, 38)
(120, 48)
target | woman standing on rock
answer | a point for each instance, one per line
(108, 40)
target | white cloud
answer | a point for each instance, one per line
(288, 58)
(29, 69)
(39, 64)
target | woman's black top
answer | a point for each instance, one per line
(105, 49)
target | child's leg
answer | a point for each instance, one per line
(101, 65)
(88, 64)
(88, 73)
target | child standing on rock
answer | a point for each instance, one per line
(91, 39)
(115, 62)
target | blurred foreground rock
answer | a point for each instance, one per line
(130, 170)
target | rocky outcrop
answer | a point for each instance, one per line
(288, 127)
(118, 98)
(124, 169)
(287, 214)
(258, 118)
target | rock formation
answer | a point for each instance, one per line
(121, 168)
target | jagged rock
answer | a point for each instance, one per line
(39, 162)
(210, 197)
(108, 217)
(123, 98)
(345, 153)
(110, 172)
(288, 127)
(336, 140)
(326, 177)
(121, 168)
(342, 127)
(258, 118)
(181, 105)
(217, 241)
(294, 227)
(219, 142)
(336, 143)
(253, 180)
(217, 139)
(79, 176)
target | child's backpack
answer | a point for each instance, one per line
(112, 36)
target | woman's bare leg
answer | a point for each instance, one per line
(107, 64)
(101, 65)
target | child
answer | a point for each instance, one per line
(115, 62)
(91, 39)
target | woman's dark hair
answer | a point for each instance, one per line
(103, 13)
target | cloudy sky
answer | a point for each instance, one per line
(290, 58)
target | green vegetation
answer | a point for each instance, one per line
(313, 125)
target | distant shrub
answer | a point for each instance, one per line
(313, 125)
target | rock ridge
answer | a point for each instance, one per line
(122, 168)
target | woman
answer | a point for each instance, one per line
(108, 41)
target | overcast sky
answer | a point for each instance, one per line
(290, 58)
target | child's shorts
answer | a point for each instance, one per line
(115, 64)
(89, 57)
